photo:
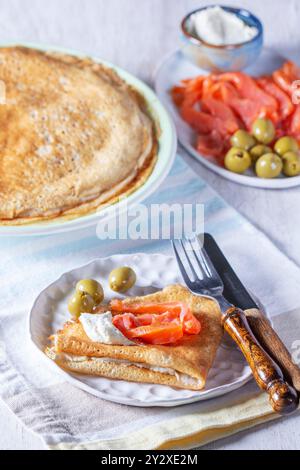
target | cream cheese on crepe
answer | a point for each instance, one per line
(99, 328)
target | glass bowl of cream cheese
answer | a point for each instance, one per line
(221, 38)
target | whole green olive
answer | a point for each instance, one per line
(237, 160)
(242, 139)
(259, 150)
(291, 164)
(286, 144)
(91, 287)
(268, 166)
(122, 279)
(263, 130)
(80, 303)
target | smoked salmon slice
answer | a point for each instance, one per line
(156, 334)
(295, 123)
(221, 111)
(163, 323)
(211, 145)
(202, 122)
(285, 104)
(285, 76)
(248, 89)
(248, 110)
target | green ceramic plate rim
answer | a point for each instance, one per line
(166, 152)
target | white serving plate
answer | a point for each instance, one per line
(49, 312)
(176, 67)
(166, 153)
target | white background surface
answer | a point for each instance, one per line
(136, 34)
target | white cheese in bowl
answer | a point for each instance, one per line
(99, 328)
(219, 27)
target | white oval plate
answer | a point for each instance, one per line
(166, 153)
(176, 67)
(49, 312)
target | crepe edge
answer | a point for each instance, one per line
(153, 356)
(126, 372)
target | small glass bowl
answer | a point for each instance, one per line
(222, 58)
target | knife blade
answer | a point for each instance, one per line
(234, 290)
(236, 293)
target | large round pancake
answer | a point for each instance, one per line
(73, 136)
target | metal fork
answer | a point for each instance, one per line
(191, 257)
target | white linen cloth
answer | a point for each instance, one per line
(65, 417)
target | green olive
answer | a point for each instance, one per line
(237, 160)
(91, 287)
(263, 130)
(286, 144)
(259, 150)
(122, 279)
(268, 166)
(291, 164)
(80, 303)
(242, 139)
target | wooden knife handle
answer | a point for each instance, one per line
(282, 397)
(273, 345)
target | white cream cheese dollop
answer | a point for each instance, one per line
(99, 328)
(219, 27)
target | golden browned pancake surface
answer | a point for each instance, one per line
(191, 358)
(73, 135)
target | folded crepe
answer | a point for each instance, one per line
(184, 364)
